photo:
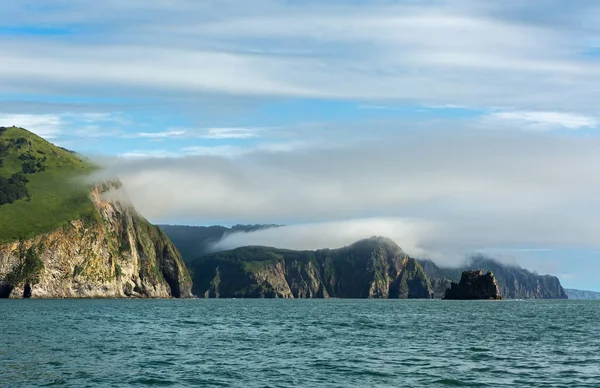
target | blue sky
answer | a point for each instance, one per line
(227, 111)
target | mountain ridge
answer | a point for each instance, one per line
(253, 261)
(369, 268)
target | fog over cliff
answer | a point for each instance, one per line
(436, 193)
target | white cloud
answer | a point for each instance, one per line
(231, 133)
(543, 120)
(45, 125)
(203, 133)
(474, 189)
(470, 54)
(55, 125)
(161, 135)
(144, 154)
(335, 234)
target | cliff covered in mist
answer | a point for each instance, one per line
(513, 282)
(370, 268)
(60, 237)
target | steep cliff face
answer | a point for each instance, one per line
(114, 253)
(513, 282)
(474, 285)
(371, 268)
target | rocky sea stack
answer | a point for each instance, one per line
(474, 285)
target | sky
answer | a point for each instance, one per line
(451, 126)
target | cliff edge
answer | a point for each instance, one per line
(116, 254)
(61, 237)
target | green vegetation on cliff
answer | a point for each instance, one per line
(41, 185)
(62, 236)
(370, 268)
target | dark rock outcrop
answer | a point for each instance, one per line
(514, 282)
(474, 285)
(370, 268)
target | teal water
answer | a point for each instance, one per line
(299, 343)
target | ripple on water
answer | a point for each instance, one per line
(313, 343)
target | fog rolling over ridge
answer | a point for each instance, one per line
(488, 186)
(438, 194)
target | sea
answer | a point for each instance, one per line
(299, 343)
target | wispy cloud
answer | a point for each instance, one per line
(433, 53)
(53, 126)
(543, 120)
(44, 125)
(203, 133)
(160, 135)
(230, 133)
(479, 189)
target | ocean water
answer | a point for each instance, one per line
(299, 343)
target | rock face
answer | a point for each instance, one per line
(117, 254)
(474, 285)
(513, 282)
(370, 268)
(582, 294)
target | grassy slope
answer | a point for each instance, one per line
(58, 194)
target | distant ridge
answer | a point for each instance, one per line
(371, 268)
(582, 294)
(514, 282)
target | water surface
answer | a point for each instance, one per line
(299, 343)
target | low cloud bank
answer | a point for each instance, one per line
(437, 193)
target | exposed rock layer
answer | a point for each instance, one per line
(582, 294)
(118, 254)
(513, 282)
(371, 268)
(474, 285)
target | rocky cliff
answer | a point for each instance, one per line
(370, 268)
(582, 294)
(513, 282)
(113, 253)
(474, 285)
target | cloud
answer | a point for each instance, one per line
(231, 133)
(472, 189)
(44, 125)
(204, 133)
(497, 54)
(160, 135)
(544, 120)
(54, 125)
(334, 234)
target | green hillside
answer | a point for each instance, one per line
(41, 185)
